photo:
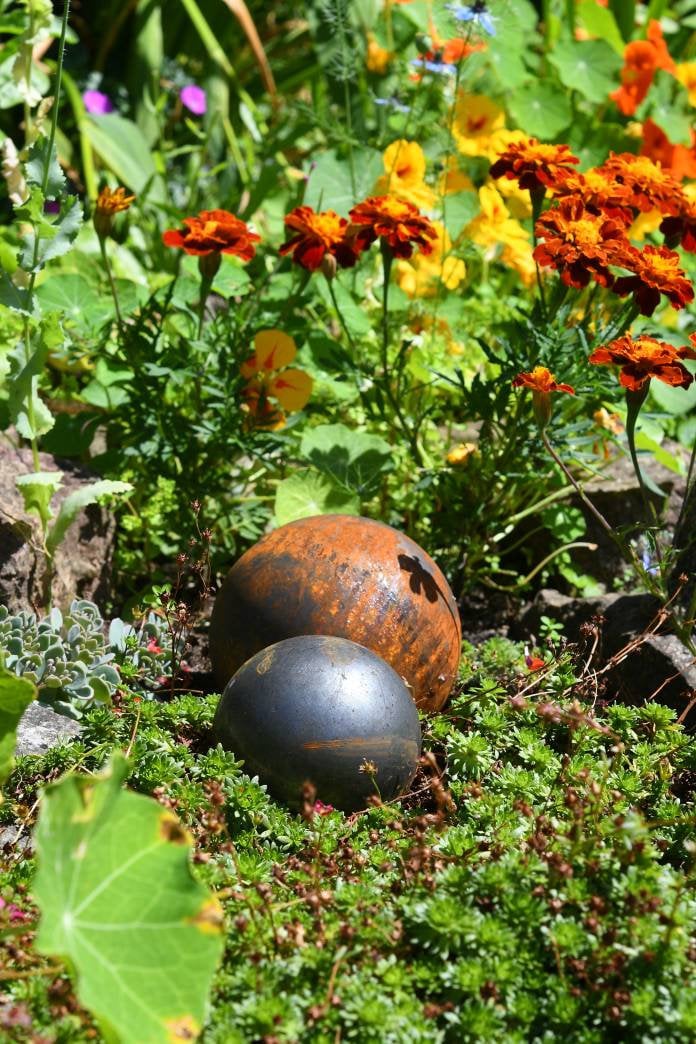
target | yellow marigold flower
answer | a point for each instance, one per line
(404, 174)
(459, 455)
(418, 277)
(109, 203)
(378, 57)
(610, 421)
(686, 74)
(477, 119)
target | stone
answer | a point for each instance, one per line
(659, 668)
(83, 560)
(41, 728)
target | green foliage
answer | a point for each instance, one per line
(15, 696)
(143, 936)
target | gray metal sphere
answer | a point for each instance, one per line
(315, 708)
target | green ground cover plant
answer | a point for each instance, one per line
(426, 262)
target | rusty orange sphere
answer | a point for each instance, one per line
(349, 577)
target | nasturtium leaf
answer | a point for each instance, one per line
(118, 901)
(309, 493)
(590, 67)
(15, 696)
(70, 508)
(459, 210)
(673, 400)
(600, 22)
(355, 317)
(330, 185)
(542, 110)
(76, 299)
(354, 459)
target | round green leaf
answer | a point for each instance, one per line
(542, 110)
(310, 493)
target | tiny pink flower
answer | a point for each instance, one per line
(321, 809)
(97, 103)
(194, 98)
(153, 647)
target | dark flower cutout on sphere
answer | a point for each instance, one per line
(214, 232)
(655, 271)
(533, 165)
(317, 234)
(644, 357)
(398, 224)
(579, 244)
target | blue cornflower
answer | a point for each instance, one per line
(476, 13)
(392, 103)
(433, 67)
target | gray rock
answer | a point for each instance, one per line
(82, 562)
(659, 668)
(41, 728)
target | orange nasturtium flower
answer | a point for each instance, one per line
(319, 240)
(679, 160)
(655, 271)
(404, 174)
(642, 59)
(398, 224)
(541, 382)
(211, 234)
(109, 203)
(647, 185)
(272, 391)
(579, 244)
(644, 357)
(534, 165)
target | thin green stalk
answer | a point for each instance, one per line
(393, 399)
(112, 284)
(634, 401)
(342, 321)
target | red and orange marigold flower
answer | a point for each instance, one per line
(647, 185)
(318, 235)
(542, 383)
(655, 271)
(644, 357)
(214, 232)
(398, 224)
(272, 390)
(680, 229)
(580, 245)
(535, 166)
(599, 192)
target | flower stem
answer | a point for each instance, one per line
(634, 401)
(411, 435)
(112, 283)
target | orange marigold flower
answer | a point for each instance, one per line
(579, 244)
(318, 235)
(541, 380)
(397, 223)
(679, 160)
(214, 232)
(109, 203)
(648, 186)
(644, 357)
(599, 192)
(681, 228)
(655, 271)
(533, 165)
(642, 58)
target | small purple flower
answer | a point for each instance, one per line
(476, 13)
(51, 206)
(194, 99)
(434, 67)
(97, 103)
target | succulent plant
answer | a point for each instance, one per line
(73, 662)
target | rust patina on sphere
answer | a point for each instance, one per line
(346, 576)
(324, 711)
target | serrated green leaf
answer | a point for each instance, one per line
(309, 493)
(76, 501)
(590, 67)
(119, 902)
(600, 22)
(54, 237)
(43, 163)
(29, 413)
(15, 696)
(542, 110)
(353, 459)
(37, 489)
(14, 297)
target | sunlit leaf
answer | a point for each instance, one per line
(309, 493)
(15, 696)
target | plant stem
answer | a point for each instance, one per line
(387, 258)
(634, 401)
(112, 284)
